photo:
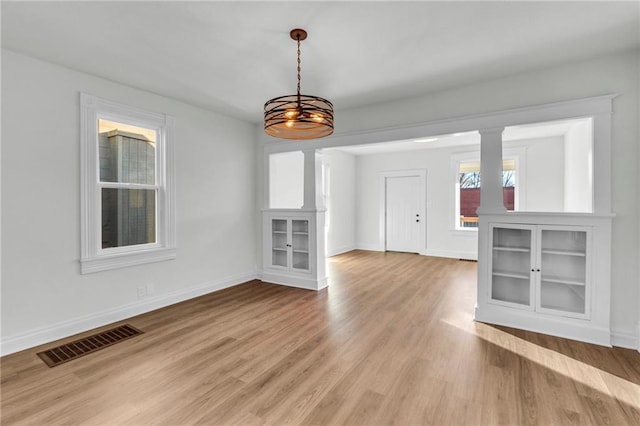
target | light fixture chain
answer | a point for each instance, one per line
(299, 67)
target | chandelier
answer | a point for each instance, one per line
(298, 116)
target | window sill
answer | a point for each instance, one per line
(124, 260)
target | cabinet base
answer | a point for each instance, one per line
(294, 281)
(567, 328)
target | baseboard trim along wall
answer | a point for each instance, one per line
(467, 255)
(625, 339)
(36, 337)
(369, 247)
(340, 250)
(452, 254)
(294, 281)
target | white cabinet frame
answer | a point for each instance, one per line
(314, 276)
(290, 234)
(594, 325)
(535, 274)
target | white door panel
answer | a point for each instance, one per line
(402, 213)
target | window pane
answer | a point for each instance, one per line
(469, 182)
(128, 217)
(127, 153)
(469, 179)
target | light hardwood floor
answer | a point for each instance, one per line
(391, 341)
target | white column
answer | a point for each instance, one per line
(313, 200)
(266, 173)
(601, 167)
(491, 198)
(313, 197)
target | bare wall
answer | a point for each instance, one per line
(43, 292)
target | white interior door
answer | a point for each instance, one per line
(403, 213)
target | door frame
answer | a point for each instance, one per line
(422, 209)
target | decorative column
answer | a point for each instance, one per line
(314, 203)
(312, 190)
(491, 198)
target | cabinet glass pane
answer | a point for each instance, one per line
(506, 289)
(511, 265)
(279, 242)
(562, 297)
(300, 244)
(563, 270)
(300, 260)
(300, 226)
(279, 225)
(279, 258)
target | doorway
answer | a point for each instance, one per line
(403, 218)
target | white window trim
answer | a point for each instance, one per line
(93, 257)
(517, 154)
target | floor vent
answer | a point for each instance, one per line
(76, 349)
(468, 260)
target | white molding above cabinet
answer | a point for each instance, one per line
(548, 273)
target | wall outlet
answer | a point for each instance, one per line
(142, 291)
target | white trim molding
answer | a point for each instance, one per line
(307, 283)
(625, 339)
(585, 107)
(463, 255)
(369, 247)
(339, 250)
(40, 336)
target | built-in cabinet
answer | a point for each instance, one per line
(291, 241)
(290, 244)
(541, 268)
(546, 272)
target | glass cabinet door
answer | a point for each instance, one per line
(279, 245)
(511, 266)
(563, 271)
(300, 244)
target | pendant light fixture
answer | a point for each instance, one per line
(298, 116)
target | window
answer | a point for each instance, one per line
(127, 204)
(468, 184)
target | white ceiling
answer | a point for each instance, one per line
(231, 57)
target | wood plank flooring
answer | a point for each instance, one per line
(391, 341)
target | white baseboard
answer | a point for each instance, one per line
(526, 320)
(369, 247)
(625, 339)
(471, 255)
(36, 337)
(294, 281)
(339, 250)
